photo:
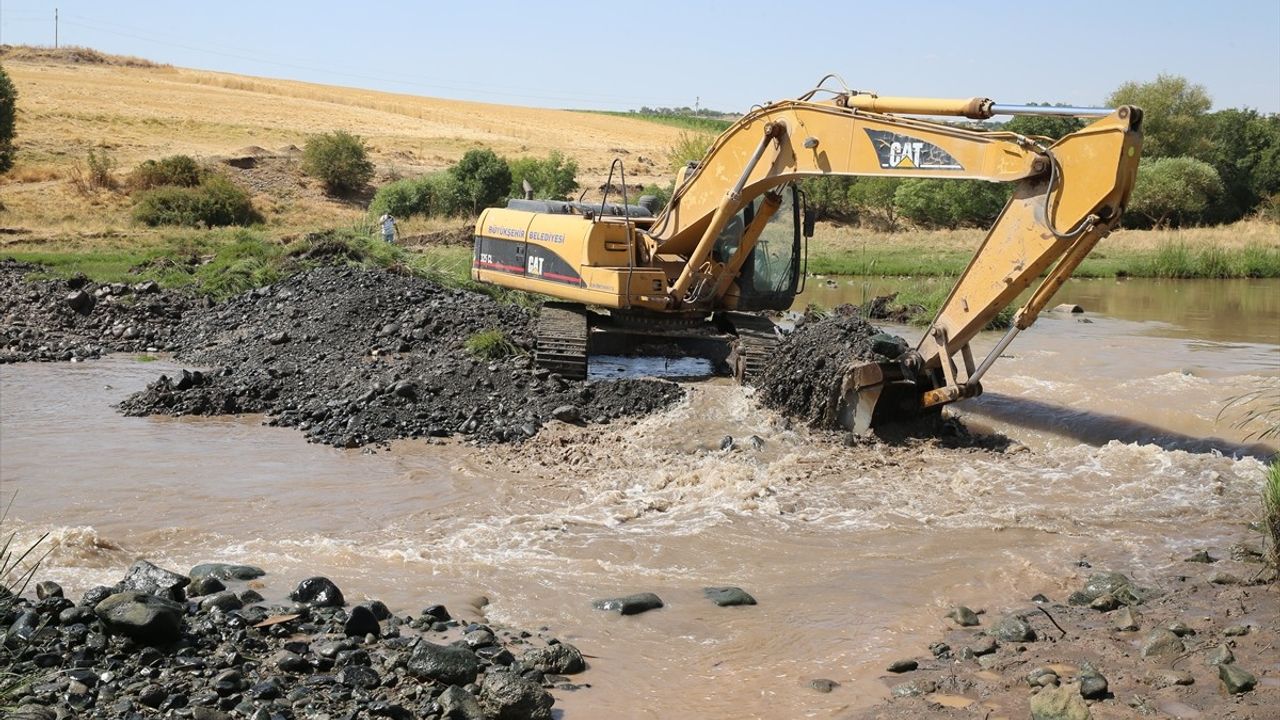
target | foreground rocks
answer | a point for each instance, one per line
(1178, 651)
(126, 653)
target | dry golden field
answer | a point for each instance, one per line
(137, 113)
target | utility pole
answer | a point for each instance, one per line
(55, 28)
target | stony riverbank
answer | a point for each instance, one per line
(1196, 641)
(207, 645)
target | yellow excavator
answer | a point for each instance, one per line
(732, 238)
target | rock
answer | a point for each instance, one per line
(78, 614)
(1042, 677)
(1235, 679)
(1039, 598)
(26, 625)
(963, 616)
(33, 712)
(1223, 578)
(251, 596)
(1059, 703)
(438, 612)
(80, 301)
(914, 688)
(225, 601)
(204, 585)
(48, 589)
(152, 695)
(1169, 678)
(567, 413)
(984, 646)
(1014, 629)
(291, 662)
(448, 664)
(1222, 655)
(458, 704)
(1180, 629)
(1093, 684)
(901, 666)
(359, 676)
(558, 659)
(823, 685)
(361, 622)
(1161, 643)
(629, 604)
(1125, 620)
(1067, 308)
(756, 442)
(1105, 602)
(1236, 630)
(506, 696)
(95, 595)
(1201, 556)
(278, 338)
(727, 443)
(1098, 584)
(940, 650)
(728, 596)
(148, 619)
(226, 571)
(318, 592)
(145, 577)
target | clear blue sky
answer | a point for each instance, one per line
(617, 56)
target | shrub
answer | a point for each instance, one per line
(950, 203)
(338, 159)
(1271, 510)
(8, 111)
(430, 195)
(483, 178)
(95, 174)
(491, 345)
(216, 201)
(1173, 188)
(176, 170)
(552, 177)
(689, 147)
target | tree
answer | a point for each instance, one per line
(1245, 151)
(338, 159)
(483, 178)
(1045, 125)
(1173, 188)
(1173, 115)
(872, 199)
(828, 195)
(552, 177)
(950, 203)
(8, 113)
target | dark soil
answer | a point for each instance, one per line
(74, 319)
(353, 356)
(804, 378)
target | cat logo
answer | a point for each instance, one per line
(903, 152)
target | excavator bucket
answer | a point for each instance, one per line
(875, 395)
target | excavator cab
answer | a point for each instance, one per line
(774, 271)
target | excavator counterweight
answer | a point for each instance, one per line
(730, 241)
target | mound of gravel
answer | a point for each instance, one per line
(354, 356)
(804, 377)
(74, 319)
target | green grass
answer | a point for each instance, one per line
(491, 345)
(924, 300)
(146, 358)
(1271, 509)
(1172, 260)
(688, 122)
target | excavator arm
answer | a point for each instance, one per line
(1067, 196)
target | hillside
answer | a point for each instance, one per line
(72, 103)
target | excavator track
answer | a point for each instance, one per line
(757, 340)
(561, 346)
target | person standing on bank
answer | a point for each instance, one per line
(389, 229)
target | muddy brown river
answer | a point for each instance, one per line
(854, 553)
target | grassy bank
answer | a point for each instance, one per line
(1249, 249)
(685, 122)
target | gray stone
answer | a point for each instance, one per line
(914, 688)
(478, 638)
(80, 301)
(48, 589)
(291, 662)
(1042, 677)
(1014, 629)
(448, 664)
(1236, 630)
(985, 645)
(629, 604)
(1105, 602)
(147, 619)
(506, 696)
(1068, 308)
(1059, 703)
(204, 585)
(1161, 643)
(1236, 680)
(359, 676)
(901, 666)
(26, 625)
(227, 571)
(823, 685)
(226, 601)
(1099, 584)
(1169, 678)
(1180, 629)
(1201, 556)
(1093, 684)
(458, 704)
(1126, 620)
(33, 712)
(567, 413)
(728, 596)
(144, 577)
(559, 659)
(1223, 578)
(1220, 656)
(963, 616)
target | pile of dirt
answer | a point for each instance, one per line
(803, 379)
(353, 356)
(75, 319)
